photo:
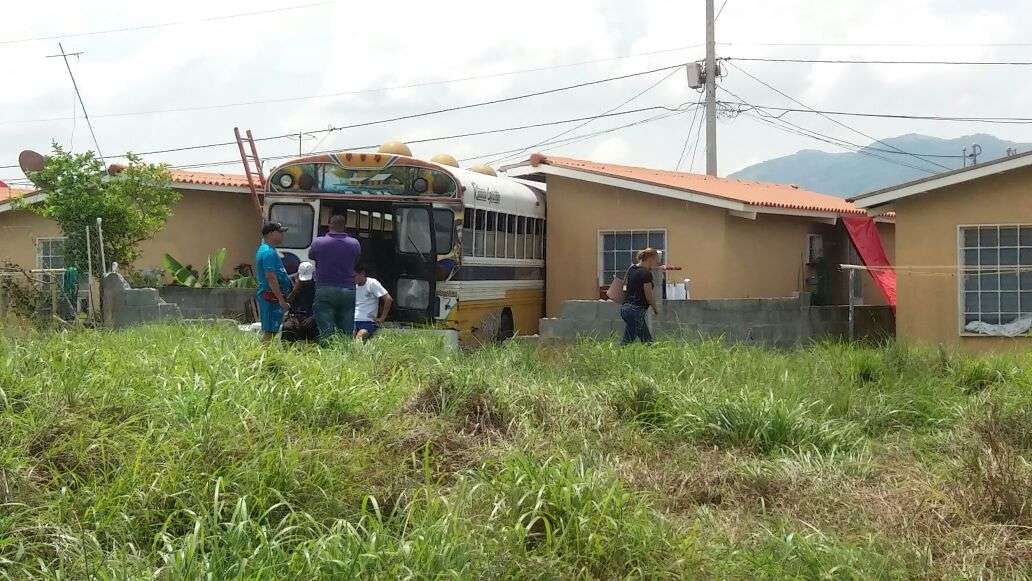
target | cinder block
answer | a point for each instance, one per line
(555, 328)
(608, 310)
(580, 310)
(140, 297)
(169, 311)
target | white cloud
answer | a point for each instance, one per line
(354, 46)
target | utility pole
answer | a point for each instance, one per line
(711, 91)
(64, 55)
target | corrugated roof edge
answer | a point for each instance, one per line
(538, 159)
(945, 175)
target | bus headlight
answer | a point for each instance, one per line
(286, 181)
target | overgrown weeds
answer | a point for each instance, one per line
(189, 452)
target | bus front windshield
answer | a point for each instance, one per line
(393, 180)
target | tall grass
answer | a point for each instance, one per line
(188, 452)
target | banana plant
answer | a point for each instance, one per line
(184, 275)
(212, 277)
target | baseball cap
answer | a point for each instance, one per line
(273, 227)
(306, 271)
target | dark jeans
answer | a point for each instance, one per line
(334, 311)
(636, 318)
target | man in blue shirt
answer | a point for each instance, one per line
(273, 282)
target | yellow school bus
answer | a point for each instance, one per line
(456, 248)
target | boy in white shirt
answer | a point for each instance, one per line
(372, 304)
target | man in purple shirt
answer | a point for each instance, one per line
(335, 255)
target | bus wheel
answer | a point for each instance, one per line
(507, 327)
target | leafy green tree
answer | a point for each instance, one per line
(134, 204)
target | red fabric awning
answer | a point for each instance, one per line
(864, 234)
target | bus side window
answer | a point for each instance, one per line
(444, 230)
(467, 232)
(532, 225)
(510, 238)
(490, 234)
(501, 244)
(521, 237)
(480, 233)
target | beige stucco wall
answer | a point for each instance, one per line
(578, 210)
(767, 256)
(926, 236)
(19, 230)
(725, 256)
(201, 222)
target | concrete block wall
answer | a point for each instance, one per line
(124, 306)
(210, 303)
(776, 322)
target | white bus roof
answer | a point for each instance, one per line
(499, 194)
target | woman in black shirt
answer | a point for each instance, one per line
(639, 297)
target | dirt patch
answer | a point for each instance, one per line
(474, 408)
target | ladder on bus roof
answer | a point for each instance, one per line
(255, 177)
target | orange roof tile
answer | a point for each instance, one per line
(8, 193)
(764, 194)
(204, 178)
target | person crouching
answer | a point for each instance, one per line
(372, 304)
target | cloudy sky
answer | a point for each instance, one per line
(195, 69)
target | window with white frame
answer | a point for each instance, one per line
(50, 252)
(996, 273)
(617, 249)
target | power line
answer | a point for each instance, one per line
(75, 86)
(586, 136)
(668, 110)
(836, 142)
(162, 25)
(502, 100)
(688, 138)
(417, 85)
(591, 119)
(882, 44)
(721, 11)
(1000, 120)
(877, 62)
(411, 116)
(695, 148)
(832, 119)
(844, 144)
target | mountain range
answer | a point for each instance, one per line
(876, 166)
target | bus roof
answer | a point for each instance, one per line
(482, 191)
(499, 194)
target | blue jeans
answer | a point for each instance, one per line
(334, 311)
(637, 321)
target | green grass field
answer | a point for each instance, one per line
(191, 452)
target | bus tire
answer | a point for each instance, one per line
(507, 325)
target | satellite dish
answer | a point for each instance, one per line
(30, 161)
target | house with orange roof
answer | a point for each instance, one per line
(215, 212)
(964, 252)
(731, 238)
